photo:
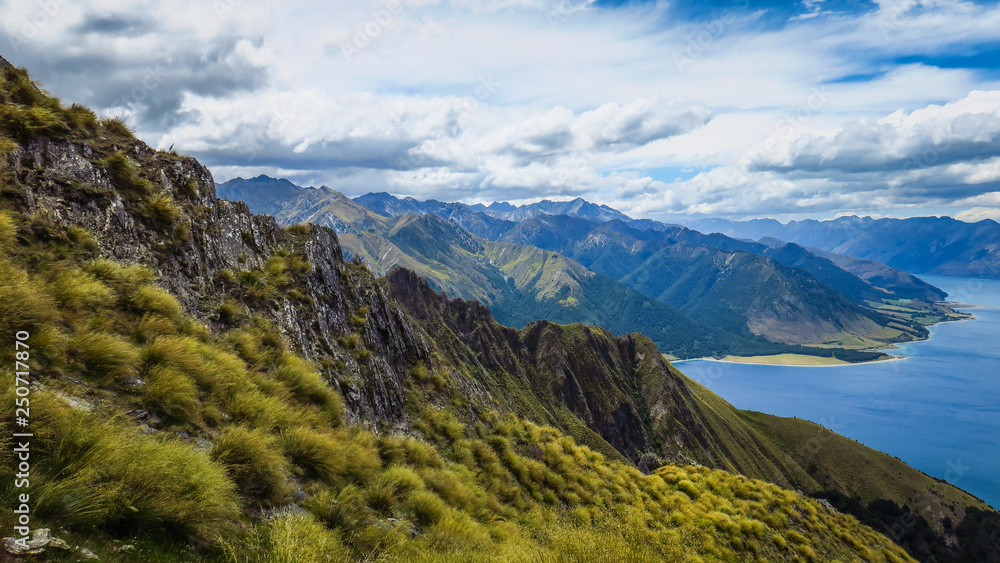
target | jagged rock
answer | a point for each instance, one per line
(59, 544)
(86, 553)
(649, 462)
(223, 235)
(28, 548)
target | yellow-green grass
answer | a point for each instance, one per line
(839, 463)
(270, 430)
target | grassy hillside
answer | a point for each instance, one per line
(145, 422)
(646, 409)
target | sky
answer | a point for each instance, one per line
(665, 110)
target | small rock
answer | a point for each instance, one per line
(41, 538)
(15, 548)
(126, 547)
(87, 554)
(59, 544)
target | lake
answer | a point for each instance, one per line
(938, 409)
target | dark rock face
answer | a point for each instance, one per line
(67, 182)
(616, 388)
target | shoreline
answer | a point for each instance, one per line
(889, 358)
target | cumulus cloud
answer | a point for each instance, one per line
(940, 155)
(785, 112)
(977, 214)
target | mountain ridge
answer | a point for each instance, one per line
(860, 326)
(920, 245)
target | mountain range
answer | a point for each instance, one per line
(580, 262)
(919, 245)
(208, 385)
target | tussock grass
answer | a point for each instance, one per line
(172, 395)
(322, 455)
(162, 208)
(150, 299)
(505, 489)
(253, 460)
(104, 357)
(117, 126)
(7, 145)
(101, 472)
(124, 175)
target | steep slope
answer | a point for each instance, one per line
(919, 245)
(896, 281)
(630, 397)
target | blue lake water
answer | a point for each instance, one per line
(938, 409)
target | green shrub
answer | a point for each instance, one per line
(307, 384)
(162, 208)
(171, 394)
(426, 507)
(104, 356)
(117, 126)
(151, 299)
(253, 460)
(99, 472)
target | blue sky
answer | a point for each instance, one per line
(736, 108)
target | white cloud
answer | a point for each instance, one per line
(977, 214)
(522, 99)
